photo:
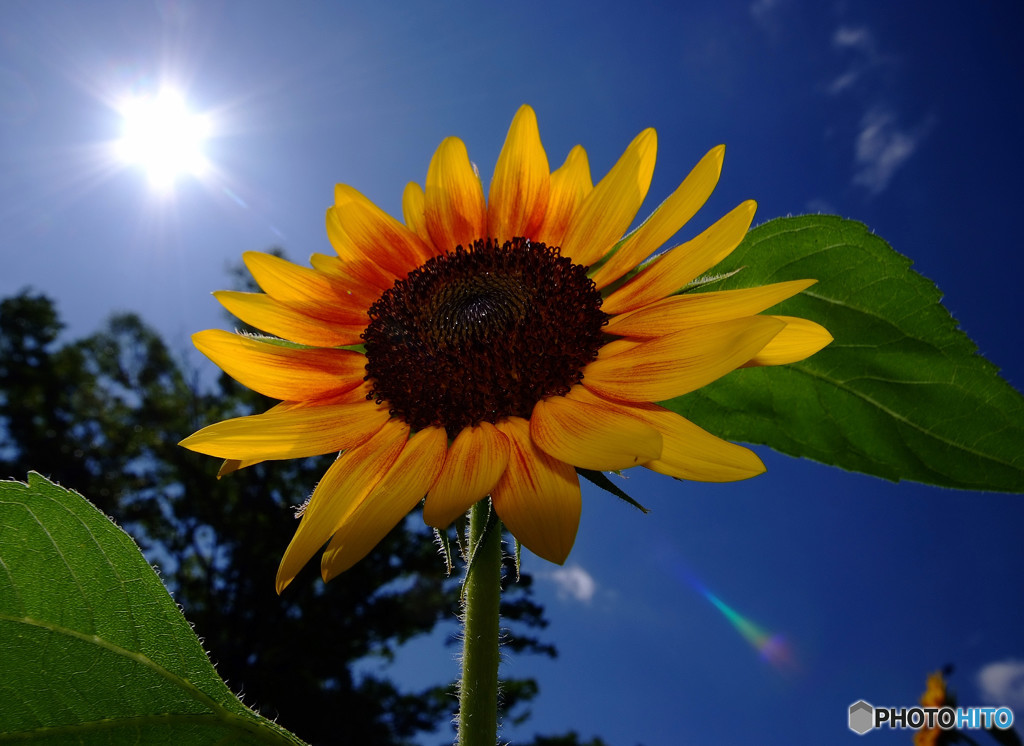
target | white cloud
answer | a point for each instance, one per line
(856, 37)
(1002, 683)
(820, 206)
(883, 142)
(864, 59)
(841, 82)
(573, 582)
(882, 147)
(770, 16)
(760, 9)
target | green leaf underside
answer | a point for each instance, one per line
(601, 479)
(93, 650)
(900, 394)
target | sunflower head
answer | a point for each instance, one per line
(492, 346)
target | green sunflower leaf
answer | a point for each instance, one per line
(901, 393)
(94, 650)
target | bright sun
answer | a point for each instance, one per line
(163, 137)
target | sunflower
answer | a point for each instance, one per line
(935, 696)
(492, 346)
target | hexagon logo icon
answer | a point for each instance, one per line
(862, 716)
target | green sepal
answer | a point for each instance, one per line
(601, 480)
(518, 558)
(471, 550)
(444, 546)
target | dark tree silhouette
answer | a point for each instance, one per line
(102, 415)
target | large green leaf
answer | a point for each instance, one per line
(901, 393)
(92, 648)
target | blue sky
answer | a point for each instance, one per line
(906, 116)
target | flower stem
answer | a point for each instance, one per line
(478, 692)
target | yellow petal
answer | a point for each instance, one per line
(616, 346)
(354, 474)
(675, 268)
(609, 209)
(454, 199)
(538, 497)
(670, 216)
(361, 267)
(798, 340)
(688, 452)
(679, 312)
(358, 394)
(518, 197)
(378, 236)
(232, 465)
(590, 436)
(295, 432)
(569, 185)
(356, 292)
(287, 282)
(282, 372)
(284, 321)
(414, 212)
(674, 365)
(475, 462)
(405, 484)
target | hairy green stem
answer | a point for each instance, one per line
(478, 692)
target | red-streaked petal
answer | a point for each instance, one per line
(616, 346)
(378, 236)
(674, 365)
(518, 197)
(362, 268)
(679, 312)
(538, 497)
(346, 483)
(290, 283)
(592, 437)
(688, 451)
(670, 216)
(454, 199)
(295, 432)
(474, 463)
(675, 268)
(358, 394)
(284, 321)
(609, 209)
(414, 213)
(568, 187)
(355, 291)
(282, 372)
(800, 339)
(405, 484)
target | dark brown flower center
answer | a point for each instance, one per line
(482, 333)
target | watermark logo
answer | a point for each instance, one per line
(864, 717)
(861, 717)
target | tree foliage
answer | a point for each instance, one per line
(102, 415)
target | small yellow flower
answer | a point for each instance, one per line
(504, 341)
(934, 696)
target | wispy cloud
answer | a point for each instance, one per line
(573, 582)
(769, 15)
(1002, 683)
(882, 146)
(861, 49)
(761, 9)
(856, 37)
(883, 142)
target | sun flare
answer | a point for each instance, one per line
(164, 137)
